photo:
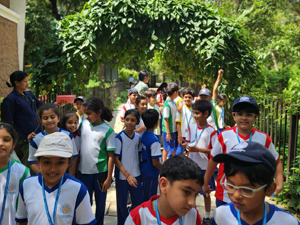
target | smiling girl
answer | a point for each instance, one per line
(12, 174)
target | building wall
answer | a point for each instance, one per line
(8, 53)
(5, 3)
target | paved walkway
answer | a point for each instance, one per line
(111, 207)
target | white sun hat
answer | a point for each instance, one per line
(57, 144)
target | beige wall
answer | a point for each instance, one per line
(5, 3)
(8, 53)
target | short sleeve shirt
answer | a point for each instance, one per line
(157, 130)
(185, 118)
(141, 87)
(211, 118)
(18, 173)
(128, 149)
(126, 107)
(96, 141)
(226, 140)
(169, 112)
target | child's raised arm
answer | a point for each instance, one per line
(215, 88)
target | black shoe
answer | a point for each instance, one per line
(206, 221)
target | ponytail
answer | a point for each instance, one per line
(95, 104)
(106, 114)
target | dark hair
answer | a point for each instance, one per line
(96, 104)
(67, 115)
(150, 118)
(181, 90)
(16, 76)
(221, 96)
(135, 112)
(150, 93)
(162, 86)
(10, 130)
(202, 106)
(189, 91)
(164, 94)
(143, 74)
(139, 99)
(180, 167)
(171, 88)
(257, 173)
(246, 107)
(48, 106)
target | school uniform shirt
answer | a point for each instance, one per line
(126, 107)
(81, 118)
(96, 141)
(157, 130)
(185, 118)
(211, 120)
(77, 140)
(18, 173)
(226, 140)
(206, 140)
(35, 142)
(144, 214)
(169, 112)
(73, 206)
(128, 149)
(150, 150)
(159, 97)
(141, 123)
(220, 116)
(227, 215)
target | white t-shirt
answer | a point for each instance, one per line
(126, 107)
(77, 140)
(128, 149)
(145, 215)
(186, 119)
(220, 116)
(18, 173)
(206, 140)
(227, 215)
(131, 79)
(35, 142)
(141, 123)
(157, 130)
(169, 111)
(96, 140)
(73, 206)
(211, 119)
(226, 140)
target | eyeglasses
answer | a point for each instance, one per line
(244, 191)
(247, 115)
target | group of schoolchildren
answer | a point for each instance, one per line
(195, 141)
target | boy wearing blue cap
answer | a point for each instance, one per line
(78, 101)
(247, 187)
(245, 112)
(132, 95)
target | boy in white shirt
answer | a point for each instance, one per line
(180, 181)
(132, 95)
(151, 97)
(249, 177)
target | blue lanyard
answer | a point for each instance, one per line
(237, 135)
(46, 131)
(158, 218)
(222, 113)
(188, 121)
(130, 105)
(5, 190)
(196, 138)
(264, 219)
(56, 201)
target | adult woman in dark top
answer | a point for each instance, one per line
(19, 110)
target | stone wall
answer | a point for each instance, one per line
(8, 53)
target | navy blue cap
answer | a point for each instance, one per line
(132, 90)
(245, 99)
(205, 91)
(250, 152)
(79, 98)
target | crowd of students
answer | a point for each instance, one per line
(195, 140)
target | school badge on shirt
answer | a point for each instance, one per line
(11, 189)
(136, 147)
(65, 210)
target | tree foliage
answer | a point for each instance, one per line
(193, 37)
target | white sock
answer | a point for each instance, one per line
(207, 215)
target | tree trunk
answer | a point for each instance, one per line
(274, 61)
(54, 9)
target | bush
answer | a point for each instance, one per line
(124, 74)
(121, 99)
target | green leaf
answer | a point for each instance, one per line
(182, 40)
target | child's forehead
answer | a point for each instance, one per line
(191, 184)
(78, 101)
(187, 95)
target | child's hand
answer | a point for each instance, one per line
(184, 145)
(168, 137)
(106, 185)
(132, 181)
(206, 189)
(180, 139)
(220, 72)
(203, 86)
(144, 128)
(31, 136)
(192, 149)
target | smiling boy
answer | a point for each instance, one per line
(180, 182)
(247, 187)
(245, 112)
